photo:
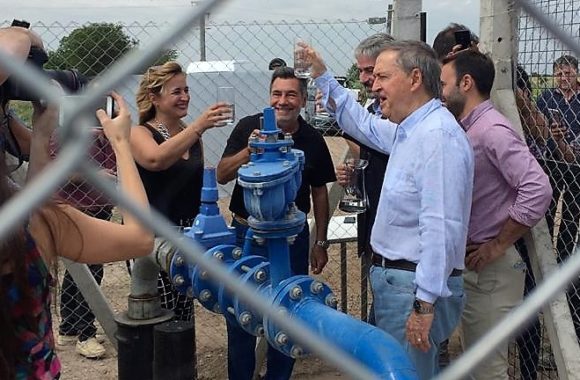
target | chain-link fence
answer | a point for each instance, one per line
(549, 102)
(238, 56)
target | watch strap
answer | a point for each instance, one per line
(322, 243)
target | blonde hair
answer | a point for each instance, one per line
(152, 82)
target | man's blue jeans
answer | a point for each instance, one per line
(241, 345)
(394, 293)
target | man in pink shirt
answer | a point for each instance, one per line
(511, 193)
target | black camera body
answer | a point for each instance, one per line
(70, 80)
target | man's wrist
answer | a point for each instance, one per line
(322, 243)
(423, 307)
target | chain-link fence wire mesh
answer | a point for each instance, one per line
(247, 48)
(548, 99)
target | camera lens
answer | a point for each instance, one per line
(70, 80)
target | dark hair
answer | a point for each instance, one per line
(12, 256)
(566, 60)
(276, 63)
(478, 66)
(445, 39)
(288, 73)
(523, 80)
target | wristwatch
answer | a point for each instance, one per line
(323, 243)
(422, 307)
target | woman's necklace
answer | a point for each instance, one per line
(162, 128)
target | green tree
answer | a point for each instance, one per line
(352, 81)
(90, 49)
(168, 55)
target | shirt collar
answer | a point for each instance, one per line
(558, 91)
(419, 114)
(376, 106)
(475, 114)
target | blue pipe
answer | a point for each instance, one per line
(279, 255)
(373, 347)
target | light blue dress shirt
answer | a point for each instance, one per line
(425, 201)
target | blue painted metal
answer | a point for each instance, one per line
(209, 227)
(270, 181)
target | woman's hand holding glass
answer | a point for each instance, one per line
(214, 116)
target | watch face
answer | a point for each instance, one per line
(420, 309)
(417, 306)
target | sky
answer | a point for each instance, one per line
(439, 12)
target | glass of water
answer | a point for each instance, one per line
(228, 95)
(302, 65)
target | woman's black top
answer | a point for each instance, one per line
(175, 192)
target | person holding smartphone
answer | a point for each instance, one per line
(561, 106)
(77, 325)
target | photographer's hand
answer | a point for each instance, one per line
(16, 43)
(118, 129)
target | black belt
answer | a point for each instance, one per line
(239, 219)
(409, 266)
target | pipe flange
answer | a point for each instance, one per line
(259, 277)
(180, 273)
(288, 296)
(203, 287)
(239, 268)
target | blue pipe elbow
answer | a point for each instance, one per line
(373, 347)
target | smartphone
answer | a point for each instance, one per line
(106, 103)
(21, 23)
(463, 38)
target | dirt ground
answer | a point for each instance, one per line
(210, 331)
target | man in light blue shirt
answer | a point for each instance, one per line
(419, 235)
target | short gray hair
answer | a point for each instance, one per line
(419, 55)
(373, 46)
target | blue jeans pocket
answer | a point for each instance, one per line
(398, 281)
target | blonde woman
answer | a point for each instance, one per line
(169, 155)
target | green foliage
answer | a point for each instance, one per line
(23, 110)
(352, 81)
(169, 55)
(352, 78)
(91, 48)
(540, 83)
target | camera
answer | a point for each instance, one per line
(70, 80)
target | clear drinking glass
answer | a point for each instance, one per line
(354, 200)
(302, 67)
(228, 95)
